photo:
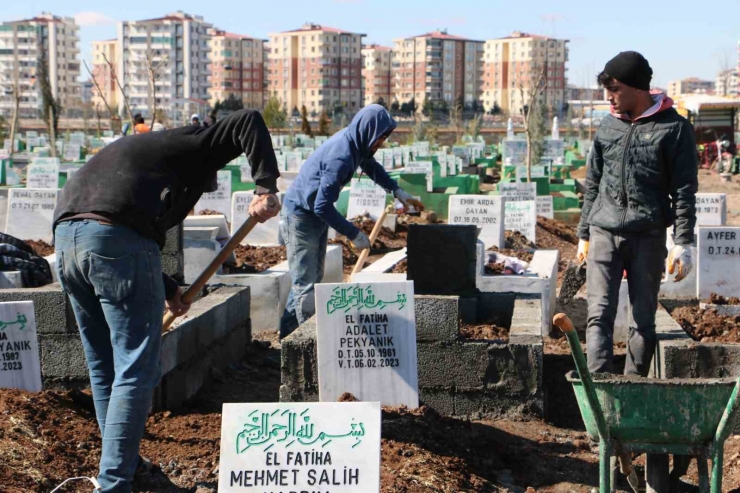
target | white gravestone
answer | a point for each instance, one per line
(293, 161)
(19, 352)
(220, 200)
(387, 159)
(300, 447)
(544, 206)
(366, 341)
(421, 167)
(513, 192)
(554, 149)
(72, 152)
(514, 151)
(719, 262)
(264, 234)
(521, 216)
(365, 196)
(397, 156)
(485, 211)
(30, 213)
(536, 171)
(42, 176)
(245, 169)
(711, 209)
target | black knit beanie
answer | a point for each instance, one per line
(631, 68)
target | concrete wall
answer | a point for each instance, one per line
(270, 289)
(476, 379)
(215, 333)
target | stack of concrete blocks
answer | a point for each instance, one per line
(540, 278)
(201, 242)
(457, 377)
(270, 289)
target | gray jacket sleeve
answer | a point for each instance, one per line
(593, 179)
(684, 184)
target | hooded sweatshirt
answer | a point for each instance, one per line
(331, 167)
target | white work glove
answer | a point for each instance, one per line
(361, 241)
(681, 257)
(264, 207)
(407, 199)
(582, 254)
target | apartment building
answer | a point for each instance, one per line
(237, 68)
(727, 83)
(103, 75)
(692, 85)
(513, 63)
(318, 66)
(436, 67)
(22, 44)
(177, 46)
(376, 74)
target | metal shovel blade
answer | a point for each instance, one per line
(573, 280)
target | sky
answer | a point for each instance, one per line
(680, 38)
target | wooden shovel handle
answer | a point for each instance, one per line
(373, 235)
(562, 322)
(211, 269)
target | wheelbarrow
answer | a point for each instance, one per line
(686, 417)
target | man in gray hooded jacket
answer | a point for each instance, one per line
(642, 178)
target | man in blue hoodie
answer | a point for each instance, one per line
(308, 208)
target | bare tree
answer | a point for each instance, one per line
(530, 84)
(154, 70)
(16, 95)
(51, 106)
(120, 88)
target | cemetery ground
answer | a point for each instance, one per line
(52, 435)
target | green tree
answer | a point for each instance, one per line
(274, 114)
(426, 107)
(324, 124)
(381, 102)
(232, 104)
(539, 131)
(569, 122)
(395, 106)
(496, 110)
(51, 107)
(305, 125)
(474, 126)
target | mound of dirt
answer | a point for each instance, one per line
(716, 299)
(387, 241)
(401, 267)
(252, 259)
(557, 235)
(514, 240)
(485, 331)
(707, 325)
(40, 247)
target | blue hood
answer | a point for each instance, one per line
(331, 167)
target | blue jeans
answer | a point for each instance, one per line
(113, 278)
(305, 238)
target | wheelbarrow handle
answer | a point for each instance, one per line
(564, 323)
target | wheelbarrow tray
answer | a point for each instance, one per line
(642, 410)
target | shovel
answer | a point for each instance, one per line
(373, 235)
(211, 269)
(573, 280)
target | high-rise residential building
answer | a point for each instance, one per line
(575, 93)
(376, 74)
(176, 49)
(727, 83)
(437, 67)
(103, 74)
(23, 43)
(692, 85)
(237, 68)
(513, 65)
(316, 66)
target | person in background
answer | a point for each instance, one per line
(158, 126)
(195, 119)
(308, 209)
(641, 179)
(140, 127)
(110, 224)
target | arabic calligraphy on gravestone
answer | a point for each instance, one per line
(366, 340)
(300, 447)
(19, 355)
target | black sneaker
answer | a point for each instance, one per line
(143, 466)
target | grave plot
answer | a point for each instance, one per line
(387, 241)
(717, 320)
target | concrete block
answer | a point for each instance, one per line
(62, 356)
(174, 266)
(197, 255)
(174, 240)
(386, 263)
(51, 306)
(200, 233)
(442, 258)
(299, 364)
(458, 365)
(377, 277)
(516, 368)
(477, 404)
(441, 400)
(437, 318)
(390, 222)
(179, 345)
(11, 280)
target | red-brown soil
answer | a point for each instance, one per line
(253, 259)
(707, 325)
(40, 247)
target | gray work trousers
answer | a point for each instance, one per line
(642, 256)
